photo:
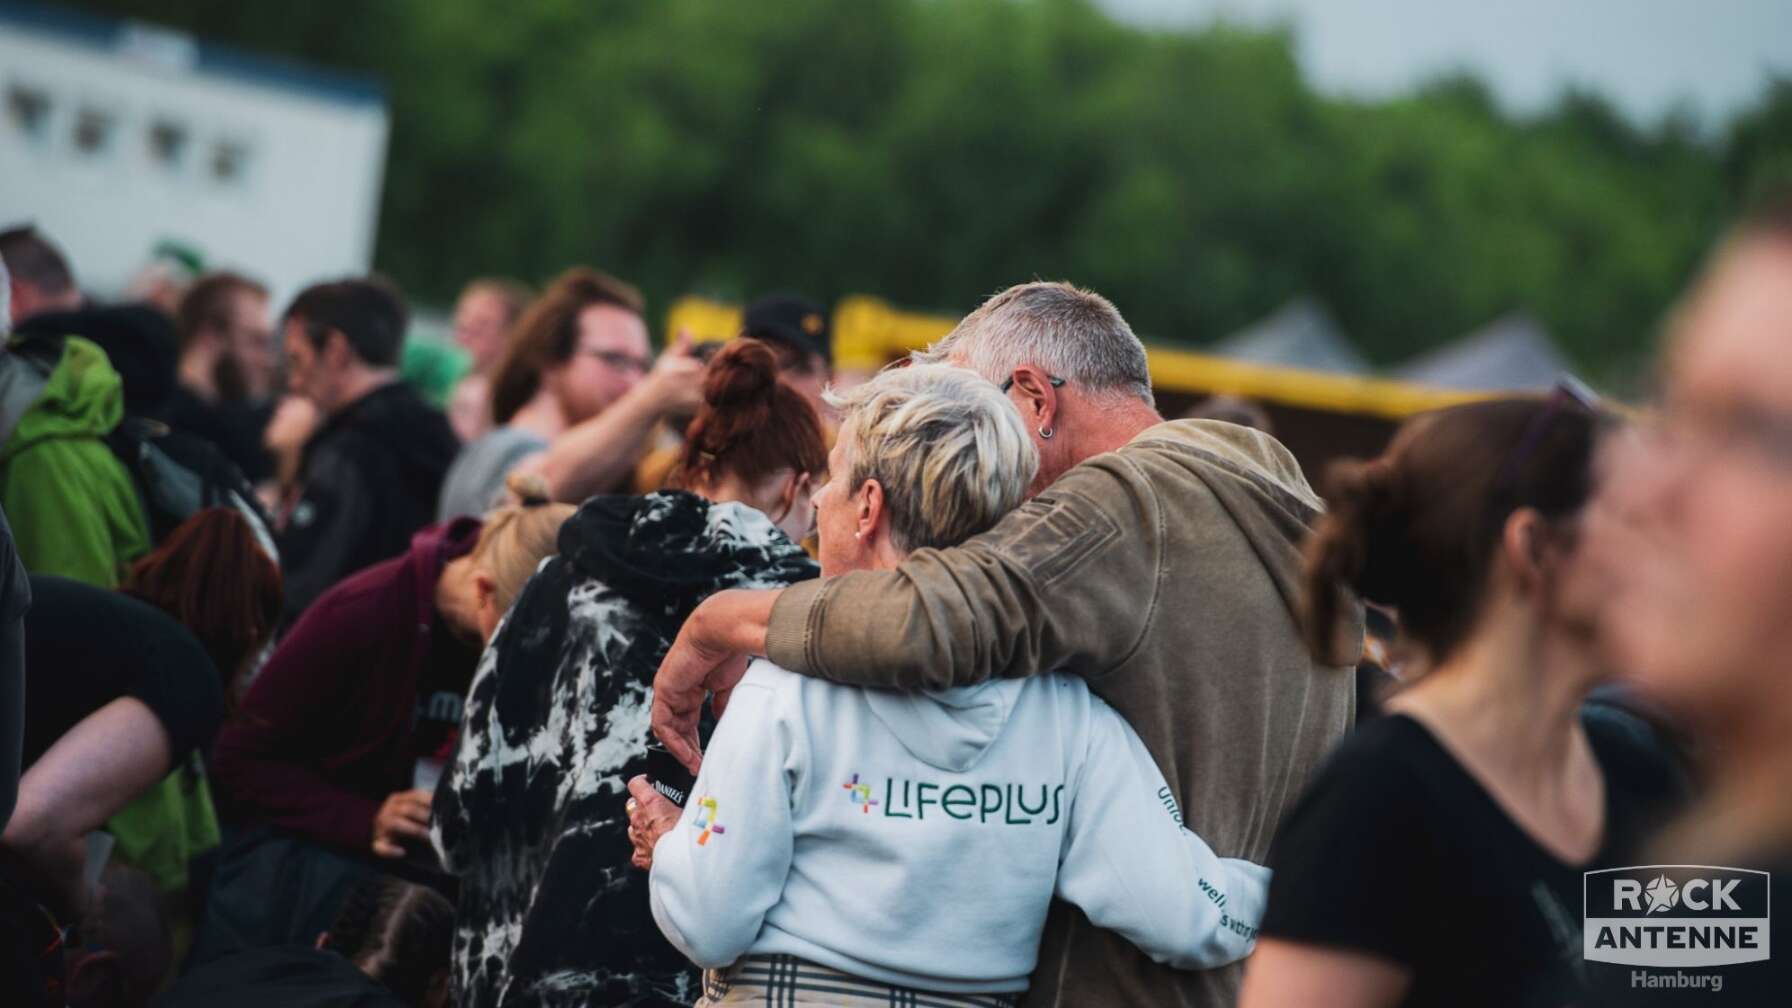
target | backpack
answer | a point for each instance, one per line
(178, 475)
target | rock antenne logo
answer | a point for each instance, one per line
(1676, 916)
(1662, 893)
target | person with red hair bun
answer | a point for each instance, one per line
(529, 815)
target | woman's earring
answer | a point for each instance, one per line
(1045, 433)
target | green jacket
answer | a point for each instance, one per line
(73, 507)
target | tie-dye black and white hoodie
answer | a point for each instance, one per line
(530, 815)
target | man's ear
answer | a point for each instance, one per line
(337, 353)
(1041, 399)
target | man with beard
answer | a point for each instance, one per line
(227, 368)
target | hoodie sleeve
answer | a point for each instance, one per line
(722, 868)
(266, 762)
(1132, 866)
(74, 511)
(980, 610)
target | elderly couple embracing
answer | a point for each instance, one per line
(1029, 735)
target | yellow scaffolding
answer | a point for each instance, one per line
(869, 333)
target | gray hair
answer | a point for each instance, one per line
(950, 451)
(1070, 333)
(5, 299)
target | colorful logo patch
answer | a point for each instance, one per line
(706, 820)
(859, 794)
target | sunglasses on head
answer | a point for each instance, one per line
(1569, 395)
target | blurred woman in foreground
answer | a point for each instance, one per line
(1702, 618)
(1437, 859)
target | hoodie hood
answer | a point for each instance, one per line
(1261, 488)
(949, 729)
(139, 343)
(432, 547)
(672, 549)
(396, 417)
(82, 397)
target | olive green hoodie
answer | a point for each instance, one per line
(73, 507)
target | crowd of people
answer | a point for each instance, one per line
(698, 678)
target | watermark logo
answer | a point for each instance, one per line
(1676, 916)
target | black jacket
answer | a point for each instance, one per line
(138, 340)
(530, 815)
(370, 478)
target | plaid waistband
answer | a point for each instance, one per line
(784, 981)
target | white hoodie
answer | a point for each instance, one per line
(918, 838)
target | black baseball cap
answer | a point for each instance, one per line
(793, 321)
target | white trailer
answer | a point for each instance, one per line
(117, 136)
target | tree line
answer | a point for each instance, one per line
(931, 153)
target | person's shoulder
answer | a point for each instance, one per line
(508, 439)
(1382, 765)
(1243, 452)
(779, 697)
(763, 673)
(1394, 739)
(1368, 803)
(1647, 776)
(147, 626)
(373, 599)
(1067, 692)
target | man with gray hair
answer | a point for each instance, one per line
(1161, 561)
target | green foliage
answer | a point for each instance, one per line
(931, 152)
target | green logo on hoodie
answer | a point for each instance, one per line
(1006, 804)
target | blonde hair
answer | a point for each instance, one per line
(949, 450)
(518, 537)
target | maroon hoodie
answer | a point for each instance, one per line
(325, 732)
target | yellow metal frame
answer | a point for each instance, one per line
(869, 333)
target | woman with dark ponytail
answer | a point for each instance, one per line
(1437, 859)
(530, 815)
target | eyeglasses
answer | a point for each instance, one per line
(1569, 394)
(1730, 427)
(619, 360)
(1005, 386)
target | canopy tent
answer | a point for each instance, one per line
(1513, 353)
(1300, 334)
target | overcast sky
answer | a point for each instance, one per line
(1647, 56)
